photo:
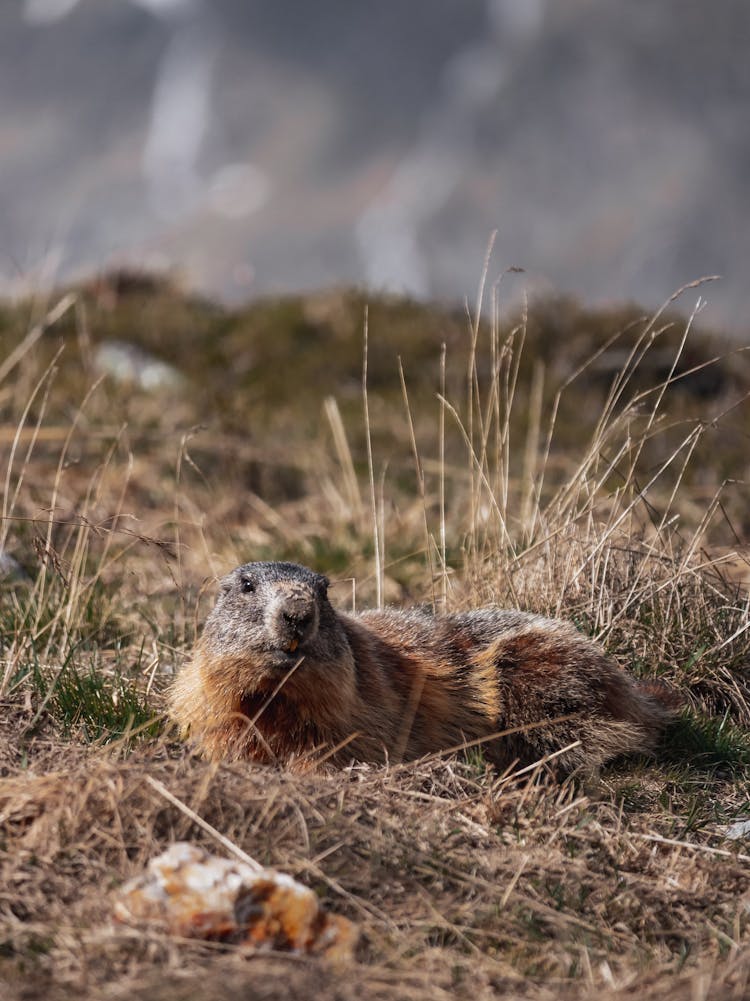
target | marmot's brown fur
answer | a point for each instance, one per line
(278, 673)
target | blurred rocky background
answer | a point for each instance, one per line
(253, 146)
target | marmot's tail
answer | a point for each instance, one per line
(669, 699)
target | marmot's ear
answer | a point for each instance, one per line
(323, 583)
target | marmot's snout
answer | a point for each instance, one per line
(294, 619)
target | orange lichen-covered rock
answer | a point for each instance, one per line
(187, 891)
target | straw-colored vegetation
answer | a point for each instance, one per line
(587, 464)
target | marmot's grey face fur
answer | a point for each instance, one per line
(272, 611)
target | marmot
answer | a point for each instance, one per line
(279, 674)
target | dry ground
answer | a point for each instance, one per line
(463, 886)
(569, 462)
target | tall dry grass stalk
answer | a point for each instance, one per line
(71, 512)
(595, 533)
(58, 608)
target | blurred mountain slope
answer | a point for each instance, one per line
(261, 147)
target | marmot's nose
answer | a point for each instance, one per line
(298, 620)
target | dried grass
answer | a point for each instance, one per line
(459, 881)
(465, 883)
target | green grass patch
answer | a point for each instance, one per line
(92, 705)
(708, 742)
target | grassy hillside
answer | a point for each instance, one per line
(588, 464)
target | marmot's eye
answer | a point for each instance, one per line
(247, 586)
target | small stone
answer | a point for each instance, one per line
(188, 892)
(128, 363)
(740, 829)
(11, 571)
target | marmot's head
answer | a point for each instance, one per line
(274, 653)
(273, 614)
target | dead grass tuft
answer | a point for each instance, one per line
(447, 870)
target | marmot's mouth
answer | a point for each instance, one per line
(286, 657)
